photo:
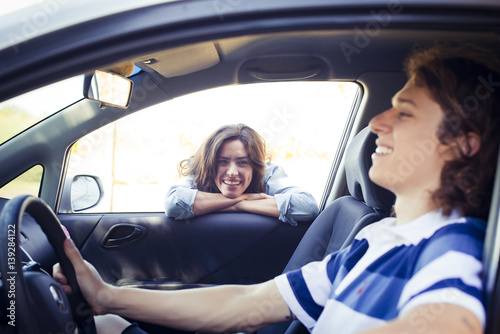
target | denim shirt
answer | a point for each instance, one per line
(293, 203)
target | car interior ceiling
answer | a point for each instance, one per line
(241, 59)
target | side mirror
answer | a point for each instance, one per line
(86, 192)
(110, 89)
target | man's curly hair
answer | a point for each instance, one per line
(465, 81)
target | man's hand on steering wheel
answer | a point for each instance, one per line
(93, 288)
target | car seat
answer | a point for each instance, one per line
(342, 219)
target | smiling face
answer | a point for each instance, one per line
(234, 172)
(409, 156)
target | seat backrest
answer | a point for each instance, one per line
(336, 226)
(342, 219)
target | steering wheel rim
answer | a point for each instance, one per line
(10, 261)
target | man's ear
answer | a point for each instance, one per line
(469, 144)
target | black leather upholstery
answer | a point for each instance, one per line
(357, 164)
(337, 225)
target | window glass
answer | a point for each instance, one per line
(21, 112)
(27, 183)
(136, 157)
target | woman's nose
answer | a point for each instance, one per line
(381, 123)
(232, 170)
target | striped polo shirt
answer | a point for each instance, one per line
(387, 271)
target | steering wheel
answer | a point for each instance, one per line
(33, 300)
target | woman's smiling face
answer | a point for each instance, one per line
(409, 154)
(234, 172)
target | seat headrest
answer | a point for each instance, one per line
(357, 164)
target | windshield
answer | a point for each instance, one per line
(21, 112)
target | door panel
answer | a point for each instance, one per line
(217, 248)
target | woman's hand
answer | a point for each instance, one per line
(255, 196)
(259, 203)
(241, 205)
(93, 288)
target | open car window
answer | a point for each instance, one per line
(21, 112)
(135, 159)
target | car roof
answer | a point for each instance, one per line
(47, 16)
(42, 47)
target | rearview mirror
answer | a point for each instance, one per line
(110, 89)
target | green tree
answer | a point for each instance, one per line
(13, 120)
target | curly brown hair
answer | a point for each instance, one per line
(465, 81)
(203, 165)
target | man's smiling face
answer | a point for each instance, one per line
(409, 154)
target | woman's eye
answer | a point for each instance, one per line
(243, 163)
(222, 162)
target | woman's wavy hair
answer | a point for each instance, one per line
(203, 165)
(465, 81)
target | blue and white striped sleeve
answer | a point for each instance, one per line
(306, 290)
(449, 270)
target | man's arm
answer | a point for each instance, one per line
(217, 309)
(227, 308)
(433, 319)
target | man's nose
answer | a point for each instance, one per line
(381, 123)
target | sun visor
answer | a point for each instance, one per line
(183, 60)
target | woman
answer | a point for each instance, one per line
(229, 173)
(419, 271)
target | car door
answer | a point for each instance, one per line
(153, 250)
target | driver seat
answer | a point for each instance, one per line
(342, 219)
